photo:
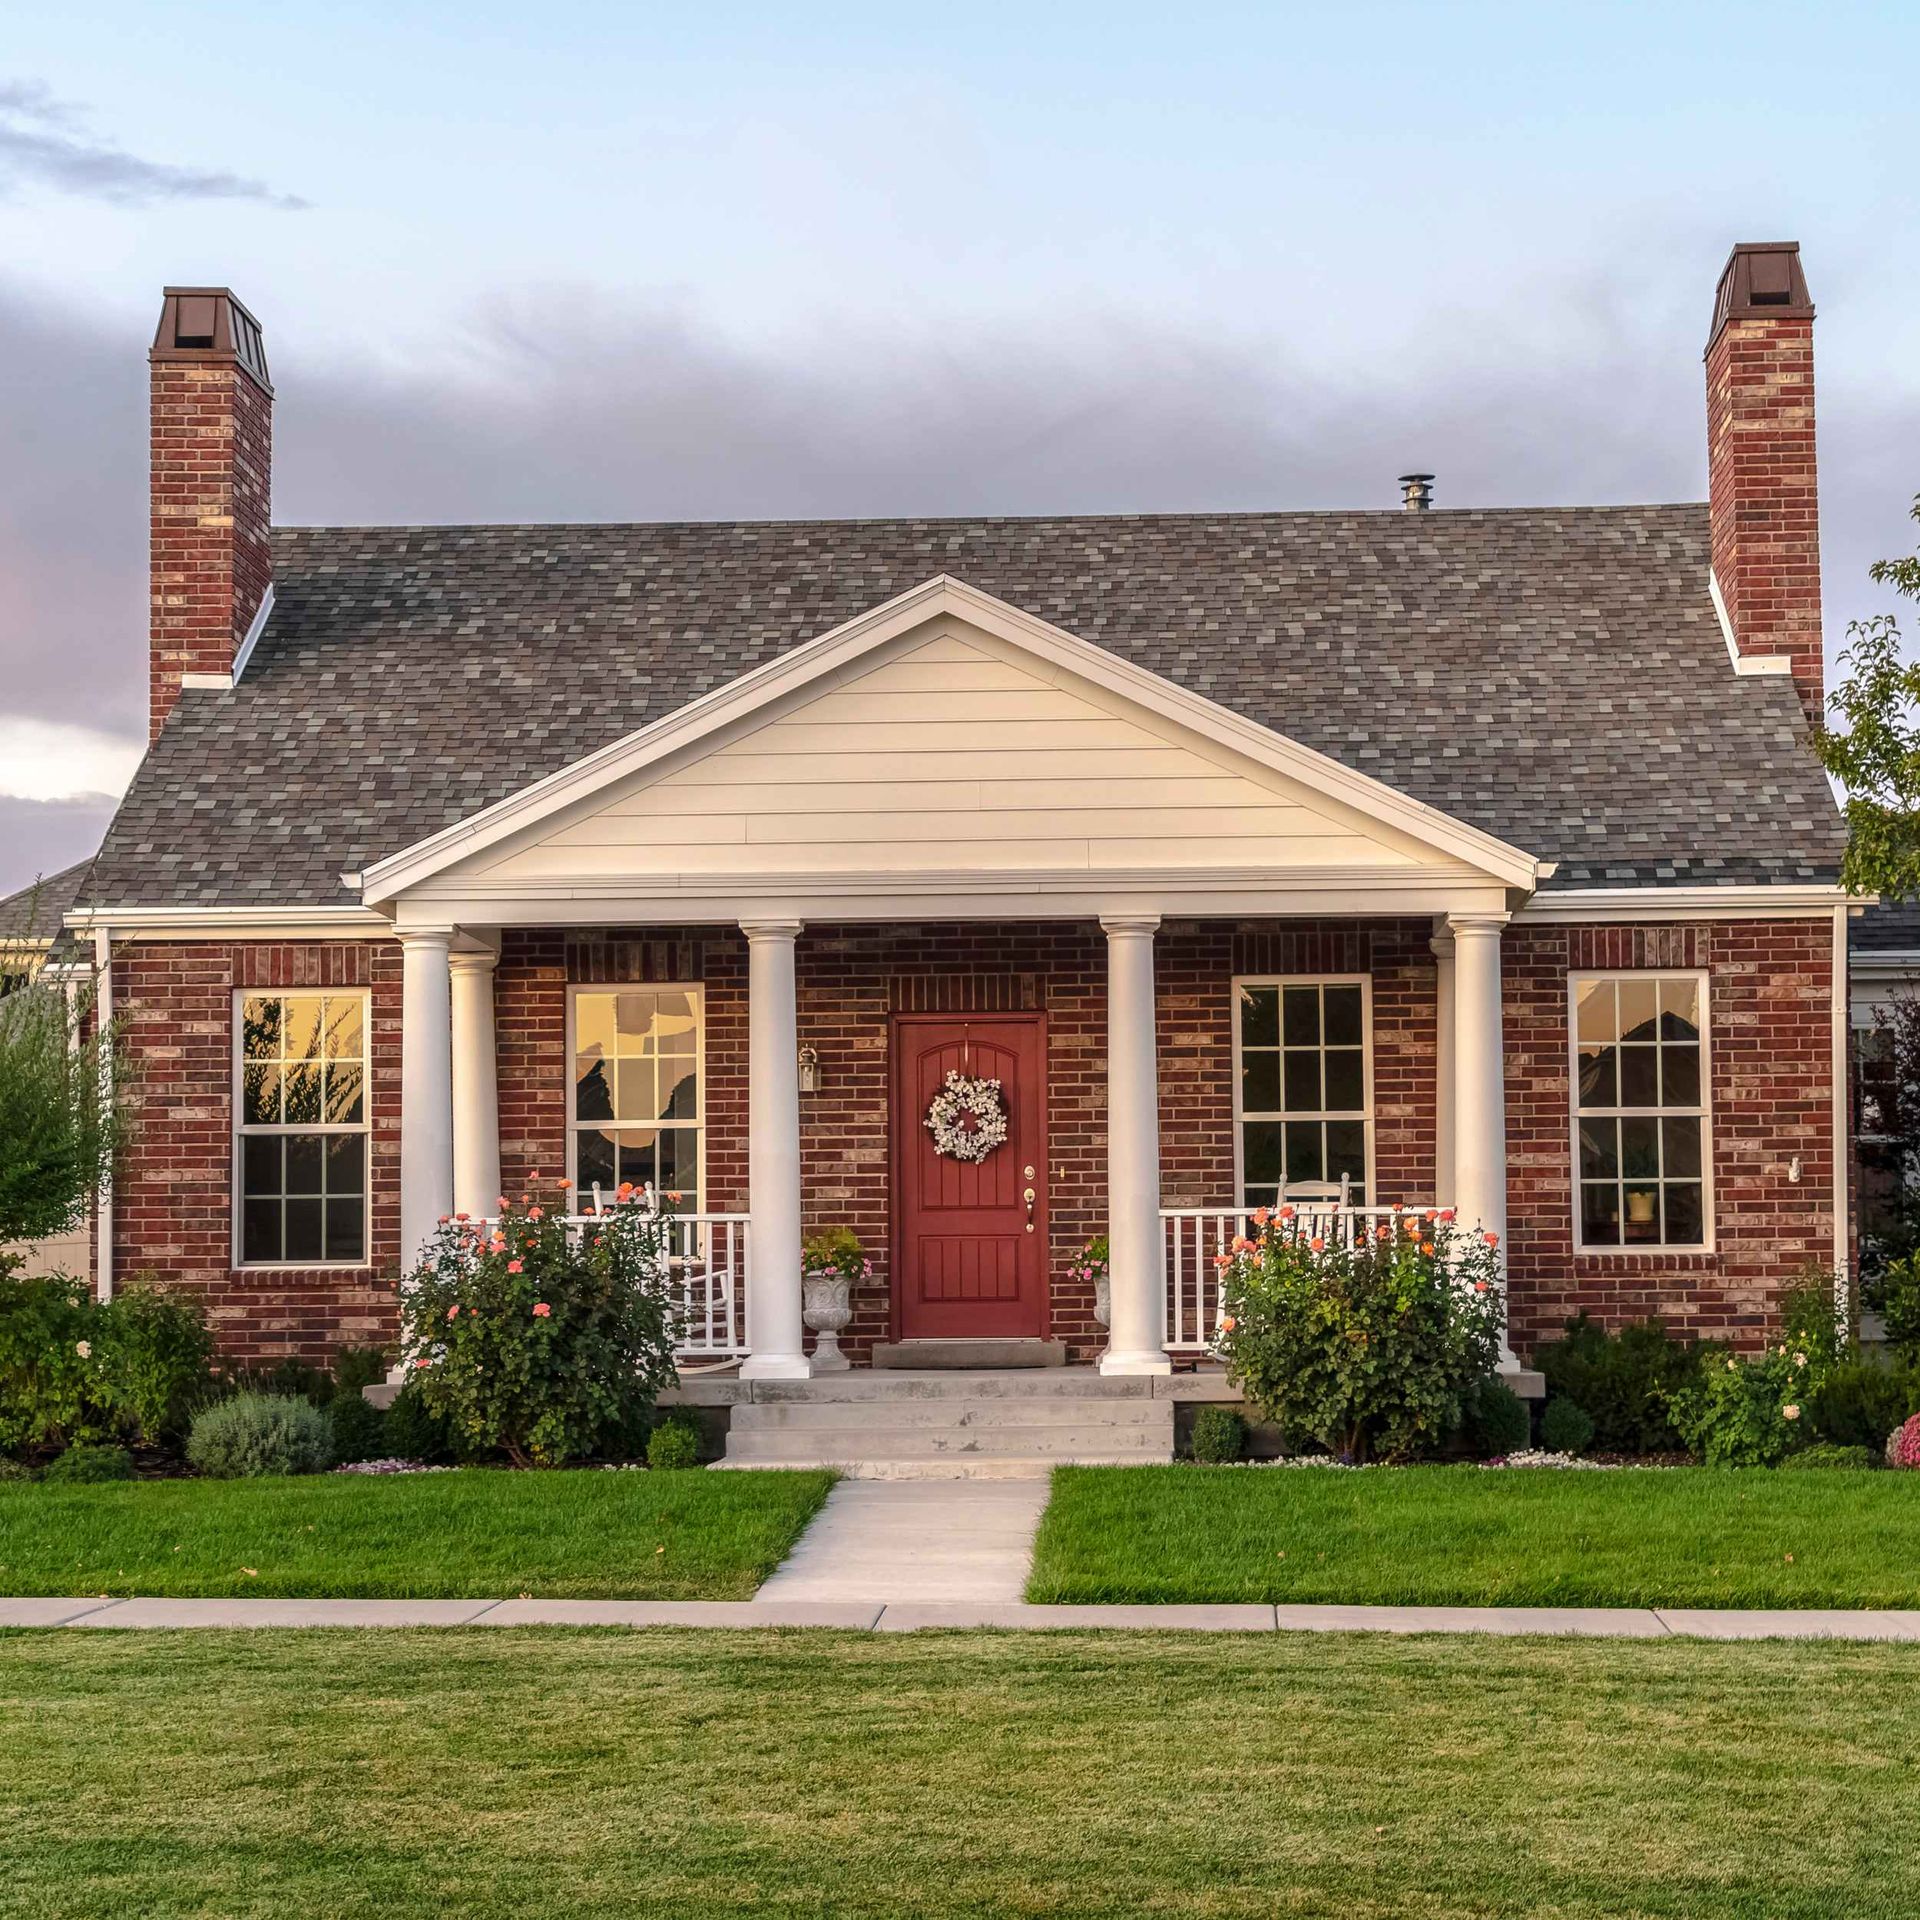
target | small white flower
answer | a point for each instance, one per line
(1799, 1359)
(1791, 1413)
(84, 1348)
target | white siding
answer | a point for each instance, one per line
(954, 751)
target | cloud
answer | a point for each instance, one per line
(43, 141)
(592, 412)
(54, 760)
(41, 837)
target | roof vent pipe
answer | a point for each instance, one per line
(1416, 492)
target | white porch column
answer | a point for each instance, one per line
(1443, 1068)
(774, 1332)
(1137, 1255)
(1480, 1101)
(476, 1094)
(426, 1089)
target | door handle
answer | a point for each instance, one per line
(1028, 1197)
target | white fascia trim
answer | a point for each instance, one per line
(225, 682)
(1888, 963)
(1684, 903)
(1750, 665)
(840, 651)
(216, 923)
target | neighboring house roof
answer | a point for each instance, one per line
(34, 913)
(1556, 677)
(1886, 928)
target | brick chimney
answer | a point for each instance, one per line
(1765, 503)
(211, 464)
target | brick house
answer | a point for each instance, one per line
(1404, 857)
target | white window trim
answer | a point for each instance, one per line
(574, 1125)
(241, 1132)
(1366, 1118)
(1644, 1249)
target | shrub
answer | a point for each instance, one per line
(52, 1385)
(413, 1430)
(1860, 1402)
(536, 1342)
(1821, 1455)
(1496, 1419)
(356, 1368)
(155, 1353)
(1748, 1412)
(1900, 1306)
(287, 1379)
(674, 1443)
(86, 1465)
(258, 1434)
(1369, 1349)
(15, 1470)
(359, 1429)
(1219, 1435)
(1565, 1427)
(1903, 1444)
(1623, 1381)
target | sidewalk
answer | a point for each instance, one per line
(876, 1615)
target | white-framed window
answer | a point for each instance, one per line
(636, 1109)
(1642, 1123)
(302, 1128)
(1303, 1086)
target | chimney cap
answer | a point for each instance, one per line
(1762, 278)
(209, 324)
(1416, 492)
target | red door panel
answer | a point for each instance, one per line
(970, 1253)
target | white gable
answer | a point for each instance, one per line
(956, 754)
(945, 737)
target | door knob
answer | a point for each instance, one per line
(1028, 1197)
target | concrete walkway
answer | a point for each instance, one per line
(938, 1542)
(873, 1615)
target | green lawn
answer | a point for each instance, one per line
(632, 1536)
(1461, 1536)
(672, 1774)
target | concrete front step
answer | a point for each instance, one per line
(948, 1467)
(836, 1446)
(881, 1416)
(1050, 1383)
(968, 1355)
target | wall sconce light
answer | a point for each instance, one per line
(810, 1071)
(1793, 1170)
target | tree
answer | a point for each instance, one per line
(1877, 759)
(64, 1113)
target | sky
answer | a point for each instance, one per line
(614, 262)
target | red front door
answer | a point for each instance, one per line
(970, 1238)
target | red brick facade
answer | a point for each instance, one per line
(1770, 1015)
(172, 1213)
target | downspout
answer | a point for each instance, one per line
(1842, 1144)
(103, 1204)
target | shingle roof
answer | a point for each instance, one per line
(1555, 676)
(1886, 929)
(34, 912)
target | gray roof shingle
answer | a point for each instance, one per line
(34, 913)
(1555, 676)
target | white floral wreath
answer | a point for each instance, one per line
(962, 1100)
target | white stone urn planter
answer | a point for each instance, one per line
(826, 1305)
(1103, 1298)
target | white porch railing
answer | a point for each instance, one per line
(1197, 1236)
(708, 1257)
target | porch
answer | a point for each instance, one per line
(1143, 1062)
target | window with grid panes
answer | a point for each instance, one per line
(1640, 1110)
(302, 1137)
(1305, 1117)
(637, 1110)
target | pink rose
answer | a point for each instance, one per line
(514, 1266)
(1317, 1244)
(1446, 1214)
(533, 1213)
(453, 1313)
(1492, 1239)
(541, 1311)
(423, 1361)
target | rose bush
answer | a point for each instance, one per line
(532, 1340)
(1371, 1348)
